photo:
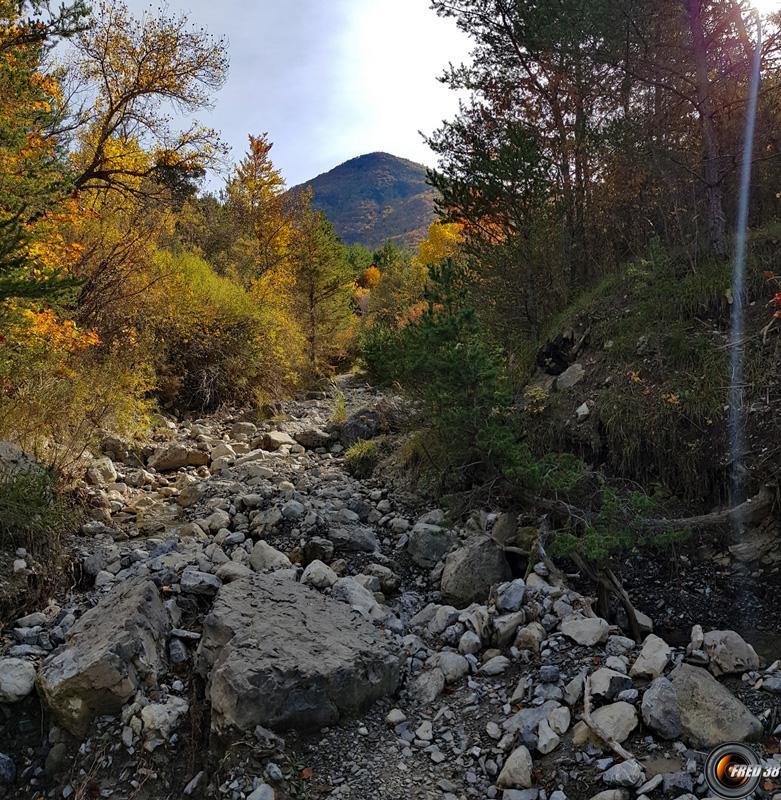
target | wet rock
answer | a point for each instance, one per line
(660, 709)
(111, 651)
(710, 714)
(284, 656)
(471, 571)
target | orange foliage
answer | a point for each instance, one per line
(44, 329)
(370, 278)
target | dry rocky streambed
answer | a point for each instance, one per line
(253, 622)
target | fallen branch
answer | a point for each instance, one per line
(589, 720)
(752, 510)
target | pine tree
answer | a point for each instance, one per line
(324, 284)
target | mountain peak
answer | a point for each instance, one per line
(375, 197)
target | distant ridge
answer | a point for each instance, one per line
(375, 198)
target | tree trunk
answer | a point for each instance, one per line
(717, 221)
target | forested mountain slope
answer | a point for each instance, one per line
(375, 198)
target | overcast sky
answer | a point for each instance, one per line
(329, 79)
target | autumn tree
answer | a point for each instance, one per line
(323, 288)
(126, 71)
(261, 210)
(33, 176)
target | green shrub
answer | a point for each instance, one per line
(361, 459)
(32, 513)
(223, 343)
(379, 346)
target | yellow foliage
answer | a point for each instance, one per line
(444, 241)
(370, 278)
(43, 329)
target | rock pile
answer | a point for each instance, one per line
(243, 559)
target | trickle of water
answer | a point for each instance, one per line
(737, 412)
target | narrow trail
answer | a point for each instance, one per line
(243, 580)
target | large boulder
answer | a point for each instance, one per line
(428, 544)
(710, 714)
(110, 652)
(364, 424)
(729, 653)
(175, 455)
(660, 709)
(472, 570)
(284, 656)
(101, 471)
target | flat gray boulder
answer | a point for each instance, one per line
(110, 652)
(710, 713)
(284, 656)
